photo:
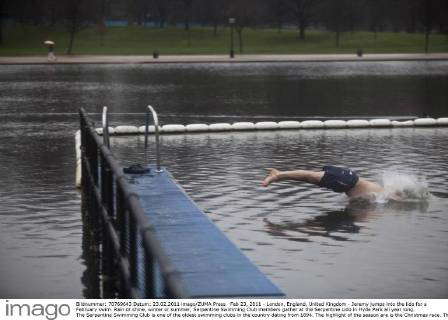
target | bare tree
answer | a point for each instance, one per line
(74, 21)
(36, 15)
(334, 15)
(162, 9)
(375, 14)
(131, 11)
(138, 11)
(353, 14)
(440, 8)
(411, 9)
(187, 9)
(278, 11)
(213, 12)
(428, 18)
(77, 18)
(444, 18)
(394, 15)
(245, 13)
(2, 14)
(303, 11)
(52, 10)
(103, 6)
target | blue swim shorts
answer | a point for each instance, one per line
(338, 179)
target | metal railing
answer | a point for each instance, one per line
(105, 125)
(133, 263)
(156, 132)
(150, 111)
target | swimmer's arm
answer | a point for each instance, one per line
(298, 175)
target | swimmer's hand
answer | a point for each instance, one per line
(273, 175)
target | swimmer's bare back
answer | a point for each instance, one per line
(361, 187)
(364, 187)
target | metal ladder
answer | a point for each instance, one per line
(149, 110)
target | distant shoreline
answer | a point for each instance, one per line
(246, 58)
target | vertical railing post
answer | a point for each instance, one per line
(107, 252)
(122, 223)
(149, 273)
(91, 160)
(133, 248)
(92, 234)
(107, 188)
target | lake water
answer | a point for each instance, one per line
(309, 241)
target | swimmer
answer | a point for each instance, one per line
(342, 180)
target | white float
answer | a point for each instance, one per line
(408, 123)
(271, 125)
(312, 124)
(126, 130)
(422, 122)
(380, 123)
(78, 159)
(442, 121)
(266, 125)
(335, 124)
(220, 127)
(243, 126)
(173, 128)
(356, 123)
(197, 127)
(289, 125)
(151, 129)
(100, 131)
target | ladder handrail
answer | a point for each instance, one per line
(105, 123)
(106, 140)
(156, 129)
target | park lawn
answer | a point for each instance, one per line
(21, 41)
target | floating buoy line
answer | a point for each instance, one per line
(264, 125)
(271, 125)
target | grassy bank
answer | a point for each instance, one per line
(143, 41)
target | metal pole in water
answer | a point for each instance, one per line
(156, 129)
(146, 136)
(105, 122)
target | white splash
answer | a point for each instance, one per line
(403, 187)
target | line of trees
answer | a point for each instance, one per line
(333, 15)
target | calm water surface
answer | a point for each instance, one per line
(308, 241)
